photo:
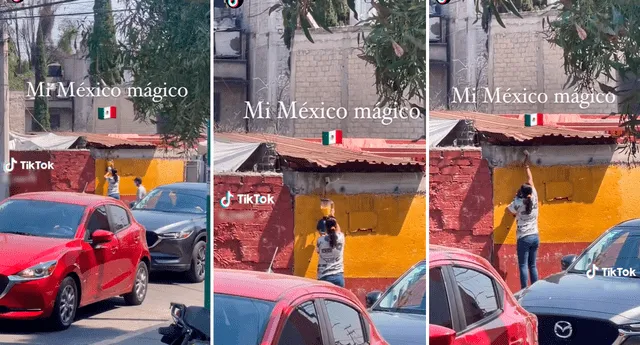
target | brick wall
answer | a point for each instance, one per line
(521, 58)
(246, 236)
(460, 201)
(329, 73)
(72, 170)
(17, 112)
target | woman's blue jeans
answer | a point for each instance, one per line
(115, 196)
(336, 279)
(527, 248)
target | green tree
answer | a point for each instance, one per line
(394, 42)
(599, 39)
(166, 45)
(16, 79)
(41, 104)
(103, 47)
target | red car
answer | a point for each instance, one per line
(62, 251)
(471, 304)
(273, 309)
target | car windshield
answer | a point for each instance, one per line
(240, 320)
(618, 250)
(408, 295)
(40, 218)
(169, 200)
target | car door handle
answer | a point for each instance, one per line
(114, 250)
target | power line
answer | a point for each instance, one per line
(18, 9)
(68, 14)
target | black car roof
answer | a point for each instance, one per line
(199, 186)
(631, 223)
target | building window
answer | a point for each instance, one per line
(55, 121)
(216, 107)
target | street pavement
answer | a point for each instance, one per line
(111, 322)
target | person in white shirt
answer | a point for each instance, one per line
(113, 181)
(142, 192)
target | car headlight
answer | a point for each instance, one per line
(176, 235)
(38, 271)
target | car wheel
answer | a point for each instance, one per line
(64, 310)
(139, 289)
(198, 259)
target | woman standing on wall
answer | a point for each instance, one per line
(113, 181)
(330, 247)
(525, 208)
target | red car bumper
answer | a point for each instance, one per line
(28, 300)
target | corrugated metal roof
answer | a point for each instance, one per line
(106, 141)
(307, 154)
(500, 129)
(394, 148)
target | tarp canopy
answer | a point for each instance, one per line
(47, 141)
(229, 157)
(439, 129)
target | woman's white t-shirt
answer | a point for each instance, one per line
(527, 224)
(331, 260)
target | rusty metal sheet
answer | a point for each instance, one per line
(506, 130)
(310, 154)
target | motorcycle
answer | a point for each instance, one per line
(191, 326)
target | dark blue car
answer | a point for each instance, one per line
(400, 313)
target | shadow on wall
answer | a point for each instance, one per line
(385, 234)
(246, 236)
(154, 173)
(576, 205)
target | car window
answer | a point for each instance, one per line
(302, 327)
(346, 324)
(119, 218)
(478, 293)
(40, 218)
(231, 311)
(407, 295)
(167, 200)
(98, 221)
(439, 311)
(618, 249)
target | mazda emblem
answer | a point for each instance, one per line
(563, 329)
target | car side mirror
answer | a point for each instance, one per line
(372, 298)
(101, 236)
(567, 260)
(439, 335)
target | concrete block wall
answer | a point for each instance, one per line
(520, 57)
(17, 114)
(460, 200)
(329, 73)
(246, 236)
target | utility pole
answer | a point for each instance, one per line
(4, 107)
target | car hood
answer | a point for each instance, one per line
(572, 294)
(26, 251)
(400, 328)
(154, 220)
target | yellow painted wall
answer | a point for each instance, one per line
(595, 199)
(396, 243)
(154, 172)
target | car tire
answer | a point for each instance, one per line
(66, 305)
(196, 272)
(140, 286)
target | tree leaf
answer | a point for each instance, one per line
(304, 22)
(495, 12)
(352, 7)
(581, 33)
(511, 7)
(274, 8)
(397, 49)
(606, 88)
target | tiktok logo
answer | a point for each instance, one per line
(592, 271)
(226, 200)
(8, 167)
